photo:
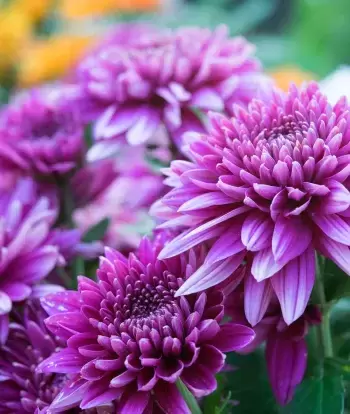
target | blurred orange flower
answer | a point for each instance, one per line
(75, 9)
(42, 60)
(285, 75)
(34, 9)
(15, 28)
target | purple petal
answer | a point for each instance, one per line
(70, 395)
(290, 238)
(209, 275)
(133, 402)
(145, 126)
(205, 200)
(17, 291)
(4, 328)
(257, 296)
(233, 337)
(257, 231)
(207, 98)
(5, 303)
(199, 380)
(264, 265)
(293, 285)
(334, 227)
(335, 251)
(201, 233)
(337, 201)
(65, 361)
(168, 396)
(123, 379)
(99, 393)
(169, 369)
(286, 364)
(228, 244)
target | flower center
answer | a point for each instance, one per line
(290, 130)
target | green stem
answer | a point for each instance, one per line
(324, 328)
(188, 397)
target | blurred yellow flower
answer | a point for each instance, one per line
(44, 60)
(285, 75)
(34, 9)
(15, 28)
(75, 9)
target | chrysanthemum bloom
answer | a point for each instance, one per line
(39, 135)
(129, 339)
(286, 348)
(126, 208)
(26, 255)
(157, 81)
(29, 342)
(271, 182)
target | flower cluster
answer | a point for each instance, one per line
(259, 205)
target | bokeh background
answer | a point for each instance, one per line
(40, 40)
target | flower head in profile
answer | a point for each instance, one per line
(29, 342)
(269, 185)
(155, 80)
(129, 339)
(27, 254)
(39, 134)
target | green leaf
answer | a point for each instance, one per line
(322, 393)
(97, 231)
(337, 282)
(340, 317)
(88, 136)
(249, 384)
(340, 365)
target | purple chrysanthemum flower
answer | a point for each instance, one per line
(129, 339)
(29, 342)
(39, 134)
(26, 253)
(271, 184)
(159, 77)
(286, 347)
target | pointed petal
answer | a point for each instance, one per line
(257, 231)
(290, 238)
(334, 227)
(286, 364)
(66, 301)
(257, 296)
(65, 361)
(133, 402)
(70, 395)
(264, 265)
(233, 337)
(209, 275)
(335, 251)
(168, 396)
(293, 285)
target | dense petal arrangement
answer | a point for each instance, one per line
(27, 255)
(125, 201)
(156, 78)
(39, 134)
(29, 342)
(271, 185)
(129, 339)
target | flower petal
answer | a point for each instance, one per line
(232, 337)
(334, 227)
(293, 285)
(257, 296)
(168, 396)
(257, 231)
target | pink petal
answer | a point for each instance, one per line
(337, 201)
(233, 337)
(211, 199)
(209, 275)
(65, 361)
(334, 227)
(17, 291)
(293, 285)
(70, 395)
(4, 328)
(168, 396)
(264, 265)
(335, 251)
(290, 238)
(207, 98)
(5, 303)
(257, 296)
(145, 126)
(286, 364)
(257, 231)
(133, 402)
(66, 301)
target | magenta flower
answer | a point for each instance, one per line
(39, 134)
(29, 342)
(129, 339)
(271, 185)
(27, 256)
(286, 348)
(156, 78)
(126, 207)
